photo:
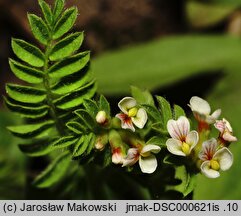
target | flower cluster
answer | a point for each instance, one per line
(210, 155)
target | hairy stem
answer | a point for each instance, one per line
(53, 112)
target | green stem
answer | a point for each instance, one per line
(50, 97)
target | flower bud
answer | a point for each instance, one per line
(101, 117)
(117, 156)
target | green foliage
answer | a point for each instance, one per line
(142, 97)
(60, 83)
(54, 172)
(28, 52)
(165, 60)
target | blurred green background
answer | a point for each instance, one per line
(176, 49)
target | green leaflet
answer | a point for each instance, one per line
(76, 127)
(91, 144)
(187, 181)
(37, 148)
(58, 8)
(66, 46)
(72, 82)
(165, 110)
(70, 65)
(142, 97)
(157, 140)
(65, 142)
(39, 28)
(152, 112)
(83, 145)
(30, 130)
(178, 111)
(54, 172)
(104, 104)
(65, 23)
(25, 94)
(28, 52)
(26, 73)
(46, 11)
(92, 107)
(77, 97)
(85, 118)
(27, 112)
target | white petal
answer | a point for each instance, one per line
(131, 158)
(126, 103)
(208, 149)
(199, 105)
(117, 158)
(175, 147)
(227, 136)
(224, 157)
(216, 114)
(178, 129)
(150, 148)
(207, 171)
(228, 126)
(148, 164)
(140, 119)
(192, 139)
(126, 122)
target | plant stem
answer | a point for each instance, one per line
(50, 97)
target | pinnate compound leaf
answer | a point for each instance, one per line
(178, 111)
(165, 110)
(37, 148)
(76, 127)
(25, 94)
(28, 52)
(27, 112)
(64, 142)
(25, 73)
(66, 46)
(30, 130)
(46, 11)
(141, 96)
(65, 23)
(77, 97)
(58, 8)
(72, 82)
(70, 65)
(104, 104)
(39, 28)
(54, 172)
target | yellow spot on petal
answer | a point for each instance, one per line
(132, 112)
(185, 148)
(214, 165)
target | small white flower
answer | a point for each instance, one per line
(147, 161)
(226, 131)
(182, 140)
(117, 156)
(201, 110)
(101, 117)
(131, 114)
(213, 159)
